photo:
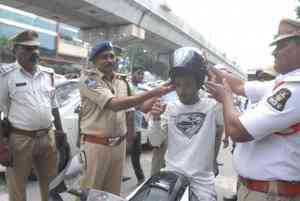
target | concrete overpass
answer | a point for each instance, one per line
(123, 21)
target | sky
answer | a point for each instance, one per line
(242, 29)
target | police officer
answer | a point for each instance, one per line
(27, 97)
(103, 121)
(267, 155)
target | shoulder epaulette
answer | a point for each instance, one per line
(46, 69)
(50, 71)
(292, 78)
(89, 72)
(121, 76)
(6, 68)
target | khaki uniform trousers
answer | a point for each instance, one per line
(104, 167)
(245, 194)
(158, 158)
(27, 152)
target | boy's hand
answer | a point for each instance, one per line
(157, 109)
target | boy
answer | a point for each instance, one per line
(190, 124)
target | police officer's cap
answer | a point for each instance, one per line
(26, 38)
(288, 28)
(100, 47)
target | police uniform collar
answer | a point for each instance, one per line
(37, 72)
(101, 75)
(293, 76)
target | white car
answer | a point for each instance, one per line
(68, 98)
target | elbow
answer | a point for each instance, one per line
(232, 132)
(238, 133)
(232, 128)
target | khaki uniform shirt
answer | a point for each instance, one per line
(95, 92)
(27, 99)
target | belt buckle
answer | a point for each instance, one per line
(113, 141)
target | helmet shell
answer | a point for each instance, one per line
(189, 60)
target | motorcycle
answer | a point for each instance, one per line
(164, 186)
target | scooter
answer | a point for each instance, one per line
(164, 186)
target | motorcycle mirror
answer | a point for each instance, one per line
(70, 174)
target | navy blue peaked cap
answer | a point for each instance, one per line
(100, 47)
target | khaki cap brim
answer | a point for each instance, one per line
(29, 43)
(280, 38)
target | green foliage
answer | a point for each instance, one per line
(297, 10)
(3, 41)
(6, 55)
(139, 56)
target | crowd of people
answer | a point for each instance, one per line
(186, 132)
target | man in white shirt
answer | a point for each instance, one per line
(189, 124)
(27, 97)
(267, 155)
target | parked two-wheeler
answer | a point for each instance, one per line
(164, 186)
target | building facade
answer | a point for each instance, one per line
(60, 43)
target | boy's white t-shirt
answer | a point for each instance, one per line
(191, 132)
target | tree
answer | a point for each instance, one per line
(297, 10)
(6, 55)
(137, 55)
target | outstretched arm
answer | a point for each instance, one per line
(233, 126)
(237, 85)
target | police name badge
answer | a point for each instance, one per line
(279, 99)
(91, 83)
